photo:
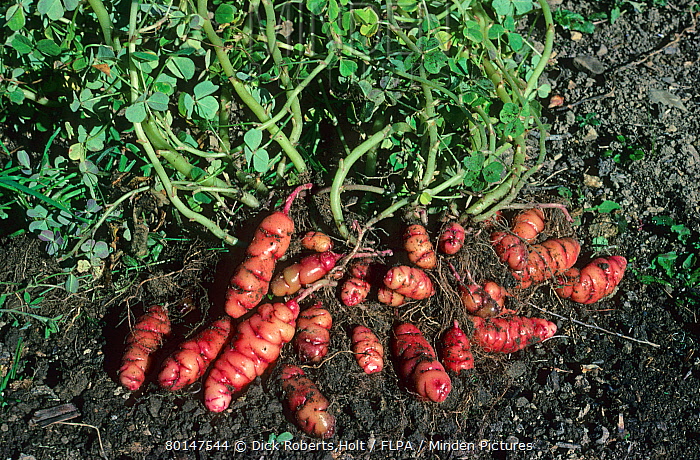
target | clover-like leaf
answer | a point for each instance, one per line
(136, 113)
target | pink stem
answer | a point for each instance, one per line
(293, 195)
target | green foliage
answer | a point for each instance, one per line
(446, 95)
(11, 373)
(677, 269)
(626, 153)
(589, 119)
(573, 21)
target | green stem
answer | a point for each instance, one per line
(183, 166)
(546, 53)
(224, 123)
(109, 209)
(105, 22)
(220, 49)
(170, 191)
(292, 99)
(344, 169)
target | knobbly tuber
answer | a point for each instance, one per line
(455, 350)
(307, 270)
(306, 403)
(317, 241)
(255, 345)
(528, 224)
(251, 280)
(410, 282)
(313, 334)
(451, 239)
(510, 249)
(417, 364)
(596, 280)
(420, 249)
(548, 259)
(487, 300)
(354, 291)
(390, 297)
(508, 335)
(193, 357)
(368, 350)
(143, 340)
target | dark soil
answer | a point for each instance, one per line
(585, 394)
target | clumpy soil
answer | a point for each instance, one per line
(585, 394)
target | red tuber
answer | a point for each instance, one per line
(548, 259)
(317, 241)
(390, 297)
(313, 336)
(451, 239)
(251, 280)
(305, 401)
(410, 282)
(596, 280)
(368, 350)
(486, 301)
(510, 249)
(255, 345)
(307, 270)
(528, 224)
(354, 291)
(417, 364)
(420, 249)
(192, 358)
(144, 339)
(508, 335)
(455, 352)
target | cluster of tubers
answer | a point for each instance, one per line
(230, 355)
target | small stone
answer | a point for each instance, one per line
(591, 135)
(602, 51)
(576, 35)
(592, 181)
(589, 64)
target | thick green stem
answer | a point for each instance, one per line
(170, 191)
(293, 99)
(105, 22)
(546, 53)
(220, 49)
(184, 167)
(344, 169)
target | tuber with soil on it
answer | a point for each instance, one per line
(390, 297)
(313, 334)
(508, 335)
(251, 280)
(510, 250)
(306, 403)
(547, 260)
(354, 291)
(419, 247)
(256, 344)
(451, 239)
(596, 280)
(455, 350)
(143, 340)
(317, 241)
(409, 282)
(528, 224)
(306, 271)
(192, 358)
(417, 365)
(368, 350)
(356, 288)
(486, 301)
